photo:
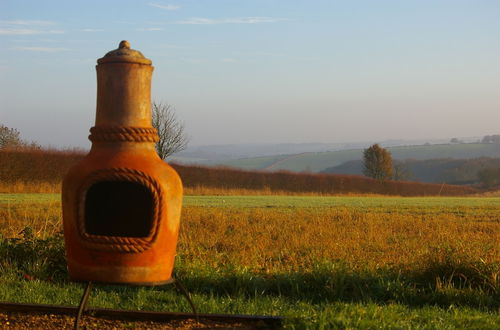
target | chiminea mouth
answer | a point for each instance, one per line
(119, 210)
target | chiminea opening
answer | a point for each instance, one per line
(119, 208)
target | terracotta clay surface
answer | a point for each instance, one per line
(122, 203)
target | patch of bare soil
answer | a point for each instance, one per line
(21, 321)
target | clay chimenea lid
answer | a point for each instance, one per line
(124, 54)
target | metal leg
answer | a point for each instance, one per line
(83, 305)
(183, 290)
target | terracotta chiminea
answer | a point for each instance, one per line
(122, 203)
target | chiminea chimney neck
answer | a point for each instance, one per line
(123, 96)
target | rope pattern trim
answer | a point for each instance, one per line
(121, 133)
(119, 243)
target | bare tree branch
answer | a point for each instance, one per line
(173, 137)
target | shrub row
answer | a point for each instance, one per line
(35, 165)
(228, 178)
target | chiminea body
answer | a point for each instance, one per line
(122, 203)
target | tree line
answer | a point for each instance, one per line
(378, 164)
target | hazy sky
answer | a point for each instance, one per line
(251, 71)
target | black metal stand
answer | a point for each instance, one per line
(184, 292)
(83, 302)
(83, 305)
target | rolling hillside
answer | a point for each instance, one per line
(319, 161)
(445, 170)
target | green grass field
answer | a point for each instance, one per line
(322, 262)
(492, 203)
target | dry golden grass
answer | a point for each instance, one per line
(19, 187)
(495, 193)
(296, 239)
(210, 191)
(43, 217)
(289, 239)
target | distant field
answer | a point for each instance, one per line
(254, 163)
(318, 161)
(322, 262)
(492, 203)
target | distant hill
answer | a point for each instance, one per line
(451, 171)
(319, 161)
(213, 154)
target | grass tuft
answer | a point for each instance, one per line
(449, 268)
(32, 258)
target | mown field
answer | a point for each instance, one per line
(323, 262)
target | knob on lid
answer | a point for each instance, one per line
(124, 54)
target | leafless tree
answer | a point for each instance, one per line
(173, 137)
